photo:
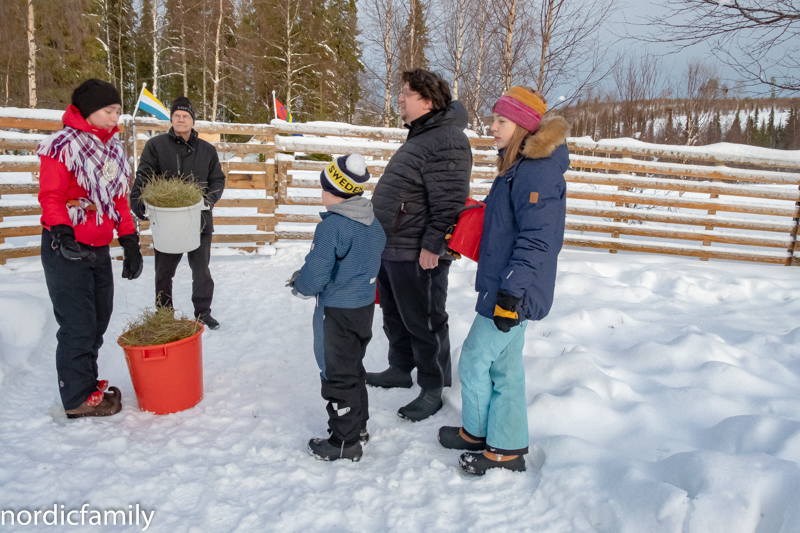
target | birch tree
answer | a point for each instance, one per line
(700, 88)
(31, 56)
(381, 35)
(571, 50)
(454, 31)
(216, 78)
(514, 30)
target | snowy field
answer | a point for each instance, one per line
(663, 396)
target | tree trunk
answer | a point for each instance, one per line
(183, 52)
(8, 73)
(119, 56)
(507, 66)
(215, 98)
(411, 49)
(459, 48)
(155, 48)
(479, 70)
(31, 57)
(546, 37)
(289, 51)
(107, 23)
(387, 98)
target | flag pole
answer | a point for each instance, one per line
(133, 120)
(139, 99)
(274, 105)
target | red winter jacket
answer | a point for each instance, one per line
(57, 185)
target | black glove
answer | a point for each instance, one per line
(133, 263)
(64, 243)
(505, 311)
(290, 281)
(295, 292)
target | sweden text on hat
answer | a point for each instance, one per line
(345, 176)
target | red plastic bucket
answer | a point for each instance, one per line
(169, 377)
(466, 238)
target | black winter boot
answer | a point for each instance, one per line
(363, 436)
(452, 438)
(208, 320)
(477, 463)
(325, 451)
(390, 378)
(426, 404)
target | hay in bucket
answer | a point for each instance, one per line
(158, 326)
(166, 191)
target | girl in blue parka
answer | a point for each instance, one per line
(523, 230)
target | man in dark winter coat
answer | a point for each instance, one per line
(416, 200)
(181, 153)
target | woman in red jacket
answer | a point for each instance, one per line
(83, 186)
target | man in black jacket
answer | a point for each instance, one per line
(181, 153)
(416, 200)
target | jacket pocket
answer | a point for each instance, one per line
(398, 219)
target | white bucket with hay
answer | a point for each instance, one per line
(174, 207)
(176, 230)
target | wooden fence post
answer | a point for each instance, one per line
(792, 260)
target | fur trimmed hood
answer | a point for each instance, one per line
(552, 132)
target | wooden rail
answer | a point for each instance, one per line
(709, 203)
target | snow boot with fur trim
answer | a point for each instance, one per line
(478, 463)
(455, 438)
(98, 404)
(390, 378)
(323, 450)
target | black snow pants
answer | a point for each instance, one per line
(415, 321)
(202, 284)
(83, 297)
(346, 333)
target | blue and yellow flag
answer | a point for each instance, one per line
(151, 104)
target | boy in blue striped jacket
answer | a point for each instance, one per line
(340, 270)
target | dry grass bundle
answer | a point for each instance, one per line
(158, 326)
(166, 191)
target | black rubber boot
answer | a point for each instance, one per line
(426, 404)
(477, 463)
(209, 321)
(450, 437)
(325, 451)
(390, 378)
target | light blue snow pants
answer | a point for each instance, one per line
(493, 387)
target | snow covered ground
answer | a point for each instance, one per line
(663, 396)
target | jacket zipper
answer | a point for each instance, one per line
(400, 213)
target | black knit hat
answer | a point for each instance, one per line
(94, 94)
(182, 103)
(345, 176)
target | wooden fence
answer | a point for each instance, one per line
(721, 202)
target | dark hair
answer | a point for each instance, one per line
(430, 86)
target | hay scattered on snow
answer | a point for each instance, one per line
(158, 326)
(166, 191)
